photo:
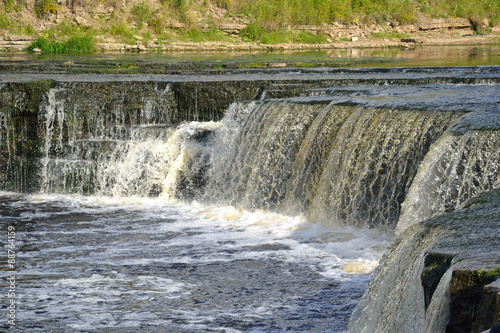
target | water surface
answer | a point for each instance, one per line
(94, 264)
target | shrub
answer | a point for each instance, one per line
(44, 7)
(4, 21)
(141, 13)
(74, 45)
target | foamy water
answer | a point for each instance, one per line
(136, 264)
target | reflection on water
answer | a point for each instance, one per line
(390, 57)
(449, 56)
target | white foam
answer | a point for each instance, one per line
(227, 227)
(138, 236)
(113, 284)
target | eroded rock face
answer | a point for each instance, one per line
(474, 303)
(413, 289)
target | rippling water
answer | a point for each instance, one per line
(94, 264)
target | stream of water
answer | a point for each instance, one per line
(95, 264)
(270, 217)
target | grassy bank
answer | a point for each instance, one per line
(75, 45)
(69, 28)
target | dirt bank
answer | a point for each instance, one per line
(218, 31)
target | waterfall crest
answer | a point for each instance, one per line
(334, 162)
(255, 164)
(373, 162)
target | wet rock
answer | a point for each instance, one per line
(416, 40)
(464, 299)
(474, 303)
(435, 266)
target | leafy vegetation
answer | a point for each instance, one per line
(4, 21)
(123, 32)
(391, 34)
(75, 45)
(254, 32)
(196, 35)
(44, 7)
(279, 14)
(141, 13)
(267, 21)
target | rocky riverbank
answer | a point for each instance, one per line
(230, 33)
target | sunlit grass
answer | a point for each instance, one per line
(74, 45)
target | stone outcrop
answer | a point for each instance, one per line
(441, 274)
(438, 24)
(475, 300)
(15, 43)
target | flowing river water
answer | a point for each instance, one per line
(94, 264)
(268, 219)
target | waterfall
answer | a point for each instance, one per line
(394, 290)
(106, 150)
(406, 158)
(457, 168)
(373, 163)
(170, 163)
(410, 150)
(396, 299)
(335, 163)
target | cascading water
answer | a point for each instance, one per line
(216, 225)
(456, 169)
(108, 153)
(337, 164)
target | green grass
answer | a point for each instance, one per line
(278, 14)
(28, 30)
(271, 21)
(275, 37)
(141, 13)
(476, 11)
(4, 21)
(256, 33)
(308, 38)
(74, 45)
(123, 32)
(197, 35)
